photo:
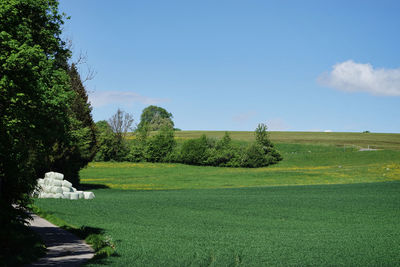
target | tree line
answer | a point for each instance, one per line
(153, 141)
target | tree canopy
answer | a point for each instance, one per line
(45, 118)
(155, 118)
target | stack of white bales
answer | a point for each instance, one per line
(54, 186)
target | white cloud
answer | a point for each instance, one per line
(104, 98)
(356, 77)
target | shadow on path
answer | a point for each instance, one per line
(63, 247)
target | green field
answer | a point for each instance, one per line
(359, 140)
(302, 165)
(324, 204)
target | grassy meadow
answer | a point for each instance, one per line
(358, 140)
(324, 204)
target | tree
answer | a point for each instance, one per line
(160, 145)
(120, 123)
(81, 147)
(262, 138)
(108, 146)
(35, 98)
(111, 137)
(155, 118)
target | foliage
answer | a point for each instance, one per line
(262, 138)
(155, 118)
(205, 151)
(195, 151)
(35, 98)
(120, 123)
(110, 145)
(81, 147)
(111, 135)
(138, 146)
(45, 121)
(20, 245)
(160, 145)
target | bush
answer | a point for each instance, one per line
(109, 146)
(254, 157)
(223, 153)
(195, 151)
(138, 146)
(205, 151)
(160, 145)
(262, 138)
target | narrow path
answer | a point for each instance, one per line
(63, 248)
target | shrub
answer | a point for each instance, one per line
(262, 139)
(195, 151)
(222, 153)
(109, 146)
(160, 145)
(138, 146)
(204, 151)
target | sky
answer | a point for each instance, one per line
(229, 64)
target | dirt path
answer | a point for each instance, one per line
(63, 248)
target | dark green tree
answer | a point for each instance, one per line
(35, 98)
(160, 145)
(81, 147)
(108, 145)
(111, 135)
(155, 118)
(262, 139)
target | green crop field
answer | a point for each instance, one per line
(324, 204)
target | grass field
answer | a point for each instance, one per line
(302, 165)
(343, 211)
(360, 140)
(348, 225)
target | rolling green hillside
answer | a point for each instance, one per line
(374, 140)
(325, 204)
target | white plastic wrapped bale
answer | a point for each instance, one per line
(53, 186)
(66, 189)
(65, 183)
(88, 195)
(80, 194)
(74, 195)
(58, 176)
(54, 175)
(56, 189)
(48, 174)
(58, 195)
(55, 182)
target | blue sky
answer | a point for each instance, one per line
(229, 65)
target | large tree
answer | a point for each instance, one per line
(71, 156)
(45, 119)
(33, 100)
(155, 118)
